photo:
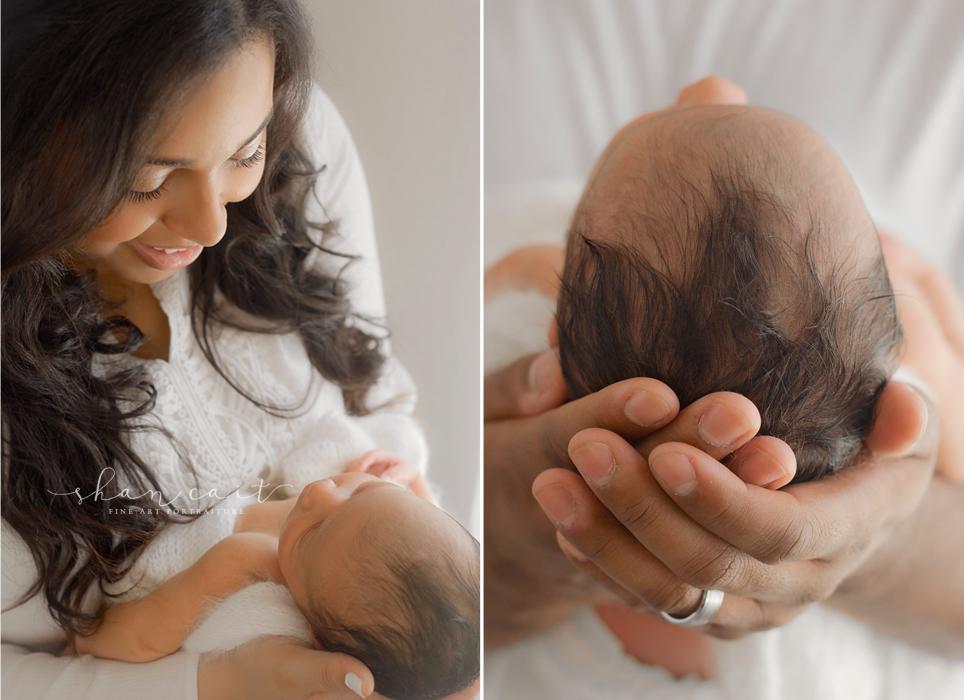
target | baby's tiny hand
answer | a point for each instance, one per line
(389, 466)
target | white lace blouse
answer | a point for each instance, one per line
(230, 441)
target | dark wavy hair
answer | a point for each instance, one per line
(85, 83)
(733, 294)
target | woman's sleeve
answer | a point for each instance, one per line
(35, 675)
(29, 675)
(342, 198)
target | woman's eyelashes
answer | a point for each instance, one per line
(251, 160)
(138, 196)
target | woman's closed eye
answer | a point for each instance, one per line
(137, 196)
(251, 160)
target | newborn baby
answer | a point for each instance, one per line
(380, 573)
(726, 248)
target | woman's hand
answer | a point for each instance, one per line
(279, 668)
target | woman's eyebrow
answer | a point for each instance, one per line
(174, 163)
(257, 131)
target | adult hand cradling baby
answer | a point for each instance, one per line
(264, 666)
(653, 517)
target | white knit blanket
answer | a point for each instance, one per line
(255, 611)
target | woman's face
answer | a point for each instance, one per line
(211, 153)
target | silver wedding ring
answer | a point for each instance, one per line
(709, 605)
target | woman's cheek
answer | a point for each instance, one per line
(127, 224)
(244, 183)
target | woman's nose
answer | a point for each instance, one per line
(198, 214)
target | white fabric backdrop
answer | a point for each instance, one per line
(881, 80)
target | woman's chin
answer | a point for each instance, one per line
(132, 273)
(150, 276)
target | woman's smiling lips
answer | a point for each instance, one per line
(162, 259)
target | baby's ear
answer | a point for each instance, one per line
(553, 333)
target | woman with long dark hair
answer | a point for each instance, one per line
(181, 306)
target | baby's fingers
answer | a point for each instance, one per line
(375, 462)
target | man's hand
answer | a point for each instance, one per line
(529, 585)
(659, 525)
(932, 316)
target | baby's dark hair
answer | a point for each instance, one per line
(736, 294)
(422, 638)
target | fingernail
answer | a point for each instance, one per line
(919, 391)
(558, 503)
(595, 462)
(354, 683)
(760, 468)
(541, 373)
(570, 550)
(674, 472)
(646, 409)
(721, 426)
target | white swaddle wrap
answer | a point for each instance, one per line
(258, 610)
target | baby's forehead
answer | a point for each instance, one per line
(391, 520)
(687, 144)
(733, 127)
(393, 533)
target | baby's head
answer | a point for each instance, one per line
(388, 578)
(726, 248)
